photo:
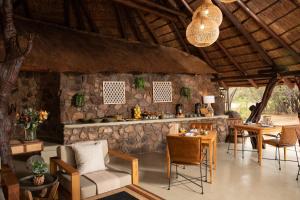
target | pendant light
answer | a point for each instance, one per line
(228, 1)
(208, 9)
(202, 31)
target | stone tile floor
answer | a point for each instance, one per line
(235, 179)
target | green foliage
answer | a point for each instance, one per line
(139, 83)
(283, 100)
(39, 168)
(186, 92)
(78, 100)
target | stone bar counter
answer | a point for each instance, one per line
(139, 136)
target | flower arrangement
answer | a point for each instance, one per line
(30, 119)
(39, 169)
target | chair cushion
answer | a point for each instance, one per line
(66, 153)
(89, 157)
(88, 188)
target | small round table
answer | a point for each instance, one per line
(26, 184)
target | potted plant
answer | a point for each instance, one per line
(39, 169)
(139, 83)
(186, 92)
(30, 120)
(78, 100)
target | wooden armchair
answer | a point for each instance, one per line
(75, 186)
(9, 184)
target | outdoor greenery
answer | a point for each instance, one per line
(283, 100)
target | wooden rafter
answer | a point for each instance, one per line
(235, 63)
(148, 28)
(134, 26)
(268, 30)
(67, 12)
(160, 7)
(121, 23)
(179, 36)
(78, 15)
(90, 21)
(147, 9)
(246, 34)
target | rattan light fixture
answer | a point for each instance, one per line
(208, 9)
(228, 1)
(202, 31)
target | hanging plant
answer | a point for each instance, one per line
(186, 92)
(78, 100)
(139, 83)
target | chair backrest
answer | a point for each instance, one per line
(288, 136)
(203, 126)
(66, 153)
(234, 121)
(184, 150)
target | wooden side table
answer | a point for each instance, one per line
(22, 147)
(26, 184)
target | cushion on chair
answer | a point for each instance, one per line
(89, 157)
(66, 152)
(88, 188)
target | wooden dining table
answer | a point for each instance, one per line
(260, 131)
(209, 140)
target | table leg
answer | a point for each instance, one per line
(167, 163)
(284, 149)
(28, 195)
(235, 141)
(259, 147)
(211, 161)
(215, 154)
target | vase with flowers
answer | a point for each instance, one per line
(30, 120)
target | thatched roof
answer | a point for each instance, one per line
(257, 37)
(60, 49)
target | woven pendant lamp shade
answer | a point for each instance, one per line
(202, 31)
(208, 9)
(228, 1)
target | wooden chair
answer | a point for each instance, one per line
(203, 126)
(241, 134)
(185, 151)
(287, 138)
(74, 186)
(9, 184)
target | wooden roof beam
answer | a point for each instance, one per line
(134, 26)
(160, 7)
(246, 34)
(79, 20)
(67, 12)
(179, 36)
(122, 25)
(90, 21)
(148, 28)
(147, 9)
(235, 63)
(269, 30)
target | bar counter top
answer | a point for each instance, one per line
(149, 121)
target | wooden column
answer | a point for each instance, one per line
(9, 70)
(259, 107)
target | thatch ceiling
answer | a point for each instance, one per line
(257, 37)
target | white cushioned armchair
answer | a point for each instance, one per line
(75, 186)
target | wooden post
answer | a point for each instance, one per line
(259, 107)
(9, 70)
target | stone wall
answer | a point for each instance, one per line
(137, 138)
(39, 91)
(91, 86)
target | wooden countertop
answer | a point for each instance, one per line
(66, 126)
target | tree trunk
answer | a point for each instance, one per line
(259, 107)
(9, 70)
